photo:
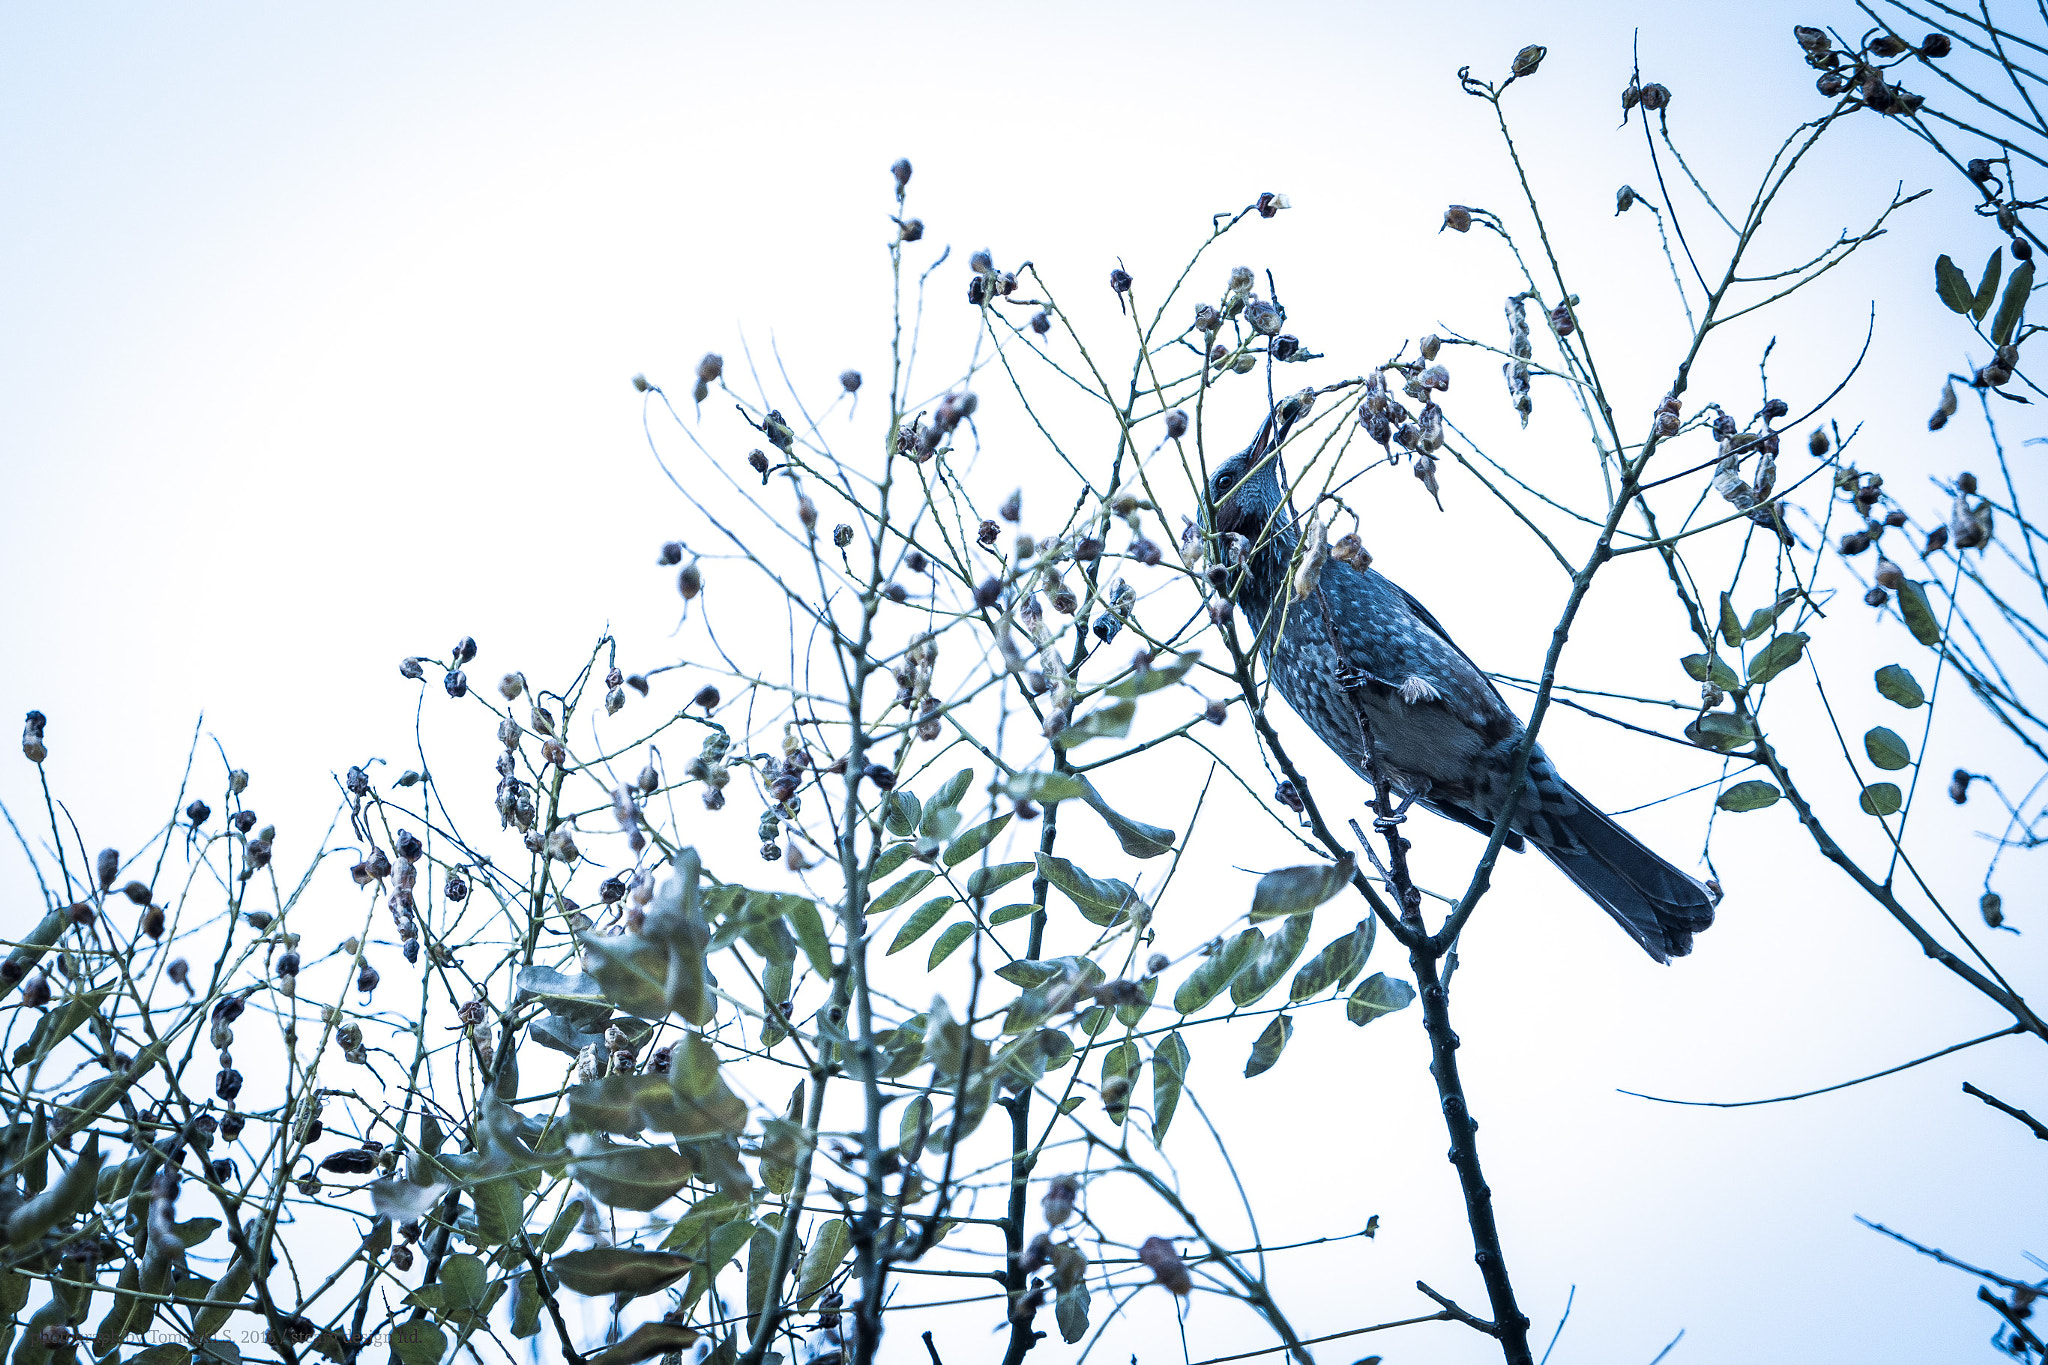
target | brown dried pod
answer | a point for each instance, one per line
(1959, 785)
(1163, 1260)
(1457, 218)
(108, 866)
(1527, 60)
(1817, 443)
(707, 697)
(1888, 45)
(881, 775)
(1855, 542)
(1287, 796)
(1655, 97)
(411, 668)
(456, 684)
(1876, 597)
(198, 812)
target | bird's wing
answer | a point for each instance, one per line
(1422, 614)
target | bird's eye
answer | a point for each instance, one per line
(1223, 482)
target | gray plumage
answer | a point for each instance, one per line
(1373, 674)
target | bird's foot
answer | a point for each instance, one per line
(1397, 817)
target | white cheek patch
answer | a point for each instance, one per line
(1419, 689)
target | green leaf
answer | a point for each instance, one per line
(1104, 902)
(1044, 788)
(1132, 1014)
(920, 922)
(1119, 1063)
(620, 1270)
(900, 812)
(1918, 615)
(1216, 971)
(2013, 305)
(1895, 684)
(943, 946)
(1136, 839)
(1169, 1075)
(1278, 954)
(500, 1209)
(632, 969)
(915, 1128)
(648, 1340)
(1952, 286)
(1750, 795)
(949, 793)
(1299, 890)
(1731, 625)
(1339, 961)
(1777, 656)
(1108, 722)
(1722, 731)
(1149, 679)
(1881, 798)
(623, 1176)
(1271, 1044)
(1987, 287)
(1763, 618)
(889, 859)
(1376, 995)
(809, 927)
(1012, 912)
(986, 881)
(974, 841)
(901, 891)
(1886, 749)
(465, 1283)
(829, 1245)
(418, 1343)
(1709, 668)
(557, 1235)
(1070, 1312)
(59, 1024)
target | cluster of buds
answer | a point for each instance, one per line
(708, 767)
(1844, 72)
(987, 284)
(1516, 371)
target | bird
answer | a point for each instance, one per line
(1380, 682)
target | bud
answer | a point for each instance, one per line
(1159, 1256)
(1527, 60)
(1457, 218)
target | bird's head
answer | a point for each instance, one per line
(1244, 491)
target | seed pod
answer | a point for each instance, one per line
(1207, 319)
(707, 697)
(1959, 785)
(1812, 39)
(1349, 549)
(456, 684)
(1992, 906)
(1527, 60)
(1876, 597)
(1888, 45)
(710, 368)
(1120, 280)
(108, 866)
(228, 1084)
(1832, 84)
(465, 650)
(1013, 507)
(1817, 443)
(245, 821)
(35, 992)
(1936, 46)
(1943, 410)
(1624, 200)
(1144, 551)
(989, 593)
(408, 845)
(1287, 796)
(1457, 218)
(1284, 347)
(561, 847)
(614, 701)
(2022, 249)
(1631, 97)
(1855, 542)
(842, 535)
(671, 553)
(1264, 318)
(1888, 574)
(1655, 97)
(198, 812)
(411, 668)
(881, 775)
(1216, 712)
(1041, 322)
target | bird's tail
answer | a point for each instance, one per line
(1659, 906)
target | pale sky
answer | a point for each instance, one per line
(321, 323)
